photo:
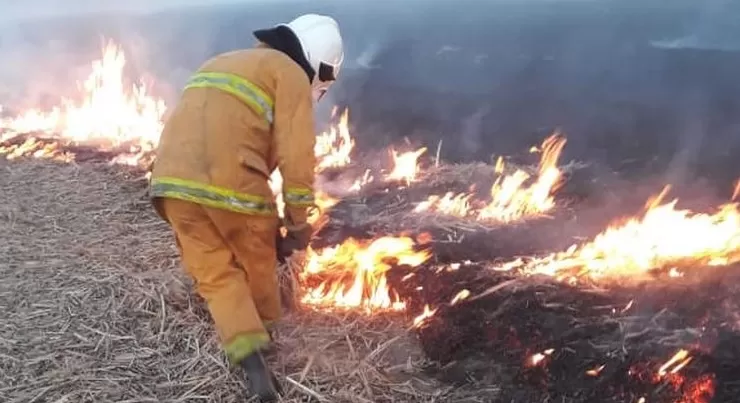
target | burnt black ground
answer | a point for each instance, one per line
(489, 339)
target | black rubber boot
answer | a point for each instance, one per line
(263, 382)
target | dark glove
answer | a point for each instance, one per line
(297, 238)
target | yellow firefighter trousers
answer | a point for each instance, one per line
(231, 257)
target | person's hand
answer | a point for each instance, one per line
(296, 239)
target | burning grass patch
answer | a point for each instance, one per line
(382, 209)
(43, 146)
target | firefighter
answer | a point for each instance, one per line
(242, 115)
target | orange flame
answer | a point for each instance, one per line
(352, 274)
(35, 148)
(675, 363)
(333, 148)
(425, 314)
(539, 358)
(460, 296)
(513, 196)
(595, 371)
(405, 165)
(662, 238)
(111, 115)
(449, 204)
(323, 201)
(693, 389)
(360, 182)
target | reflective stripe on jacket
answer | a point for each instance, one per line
(299, 197)
(211, 196)
(241, 116)
(237, 86)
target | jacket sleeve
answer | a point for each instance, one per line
(295, 140)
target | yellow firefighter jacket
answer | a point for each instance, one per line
(242, 115)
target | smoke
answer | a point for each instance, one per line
(472, 130)
(47, 45)
(716, 28)
(498, 78)
(484, 77)
(45, 9)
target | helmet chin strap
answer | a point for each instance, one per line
(318, 93)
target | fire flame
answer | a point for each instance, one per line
(595, 371)
(460, 296)
(663, 238)
(675, 363)
(449, 204)
(513, 196)
(334, 147)
(539, 358)
(694, 390)
(113, 116)
(405, 165)
(35, 148)
(353, 274)
(360, 182)
(323, 200)
(425, 314)
(110, 115)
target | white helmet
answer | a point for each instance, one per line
(322, 45)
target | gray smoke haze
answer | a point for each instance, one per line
(635, 85)
(716, 27)
(36, 9)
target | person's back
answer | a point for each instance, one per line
(225, 139)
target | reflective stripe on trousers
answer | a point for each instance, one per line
(237, 86)
(211, 196)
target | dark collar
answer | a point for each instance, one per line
(283, 39)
